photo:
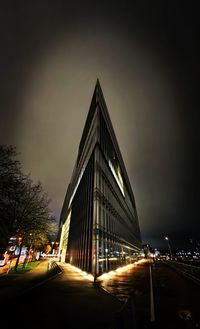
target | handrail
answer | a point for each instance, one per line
(190, 271)
(53, 266)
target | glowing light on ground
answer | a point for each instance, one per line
(109, 275)
(86, 275)
(119, 270)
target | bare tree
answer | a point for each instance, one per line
(34, 220)
(24, 206)
(11, 183)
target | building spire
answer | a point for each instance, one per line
(98, 86)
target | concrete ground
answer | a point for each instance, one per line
(64, 299)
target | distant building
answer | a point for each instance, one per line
(99, 222)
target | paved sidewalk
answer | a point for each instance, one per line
(15, 285)
(66, 300)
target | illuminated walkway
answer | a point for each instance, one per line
(66, 298)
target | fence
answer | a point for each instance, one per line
(53, 268)
(189, 271)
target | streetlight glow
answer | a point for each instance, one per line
(170, 251)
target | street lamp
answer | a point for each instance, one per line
(52, 249)
(170, 250)
(31, 240)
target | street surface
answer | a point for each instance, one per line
(148, 295)
(175, 299)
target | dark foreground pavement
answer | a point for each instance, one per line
(65, 299)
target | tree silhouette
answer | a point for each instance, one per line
(24, 206)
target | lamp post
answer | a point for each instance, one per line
(169, 246)
(31, 240)
(52, 249)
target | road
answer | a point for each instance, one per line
(162, 297)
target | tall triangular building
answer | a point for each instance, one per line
(99, 223)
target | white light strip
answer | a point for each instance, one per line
(77, 184)
(116, 177)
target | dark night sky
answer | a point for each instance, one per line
(146, 56)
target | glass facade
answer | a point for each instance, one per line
(103, 229)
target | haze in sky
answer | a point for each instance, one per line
(146, 58)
